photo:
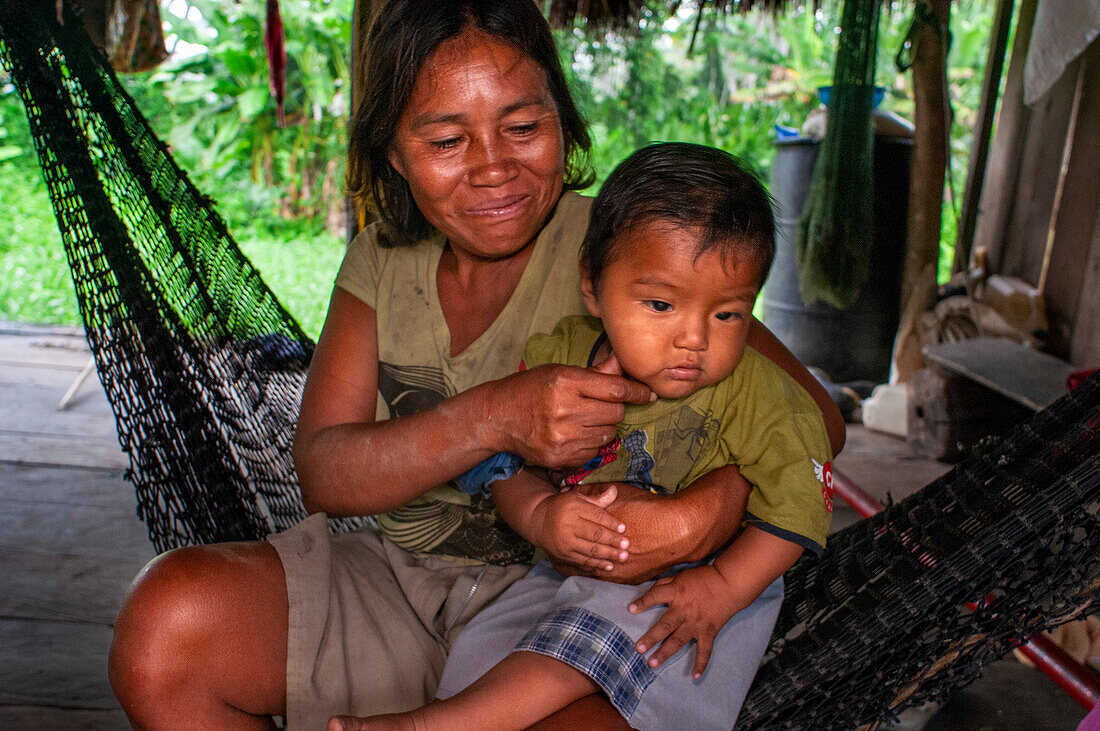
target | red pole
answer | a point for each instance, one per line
(1078, 680)
(860, 501)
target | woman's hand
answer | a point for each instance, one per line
(559, 416)
(575, 528)
(700, 602)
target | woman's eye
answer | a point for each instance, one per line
(658, 305)
(445, 144)
(524, 129)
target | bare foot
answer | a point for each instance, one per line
(387, 722)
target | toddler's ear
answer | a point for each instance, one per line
(588, 291)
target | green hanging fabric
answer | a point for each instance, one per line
(836, 229)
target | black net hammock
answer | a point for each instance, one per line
(203, 369)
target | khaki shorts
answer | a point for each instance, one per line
(370, 624)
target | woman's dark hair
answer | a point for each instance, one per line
(686, 185)
(402, 37)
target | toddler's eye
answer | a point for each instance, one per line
(724, 316)
(658, 305)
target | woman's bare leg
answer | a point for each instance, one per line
(519, 691)
(200, 641)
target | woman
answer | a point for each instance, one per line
(468, 141)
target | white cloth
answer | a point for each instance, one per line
(1063, 29)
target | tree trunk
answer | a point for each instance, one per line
(363, 14)
(932, 121)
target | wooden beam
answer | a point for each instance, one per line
(922, 249)
(1070, 276)
(979, 155)
(998, 195)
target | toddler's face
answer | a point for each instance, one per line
(675, 321)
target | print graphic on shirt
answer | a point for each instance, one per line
(409, 389)
(682, 439)
(691, 432)
(608, 453)
(475, 530)
(641, 461)
(824, 475)
(635, 470)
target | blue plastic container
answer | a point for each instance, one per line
(824, 92)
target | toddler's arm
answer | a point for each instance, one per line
(701, 600)
(570, 526)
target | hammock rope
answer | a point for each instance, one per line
(204, 369)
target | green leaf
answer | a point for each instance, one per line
(252, 101)
(239, 63)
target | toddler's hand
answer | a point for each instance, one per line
(577, 529)
(700, 602)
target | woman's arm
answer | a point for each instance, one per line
(349, 464)
(665, 530)
(767, 344)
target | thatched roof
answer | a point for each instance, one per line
(565, 13)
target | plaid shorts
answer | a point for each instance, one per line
(584, 622)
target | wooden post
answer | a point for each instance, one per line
(998, 195)
(926, 186)
(979, 154)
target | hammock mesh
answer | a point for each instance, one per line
(202, 366)
(203, 369)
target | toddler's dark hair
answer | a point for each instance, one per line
(685, 185)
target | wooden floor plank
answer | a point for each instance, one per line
(884, 465)
(33, 431)
(66, 352)
(63, 486)
(48, 663)
(70, 543)
(36, 718)
(33, 394)
(51, 450)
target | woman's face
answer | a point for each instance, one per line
(480, 144)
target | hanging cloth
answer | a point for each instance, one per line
(836, 230)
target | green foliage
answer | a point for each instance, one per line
(217, 111)
(35, 285)
(745, 74)
(749, 72)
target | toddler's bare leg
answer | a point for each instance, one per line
(520, 690)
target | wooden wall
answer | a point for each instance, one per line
(1021, 206)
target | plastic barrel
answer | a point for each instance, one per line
(852, 344)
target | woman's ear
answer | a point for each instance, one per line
(396, 161)
(588, 291)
